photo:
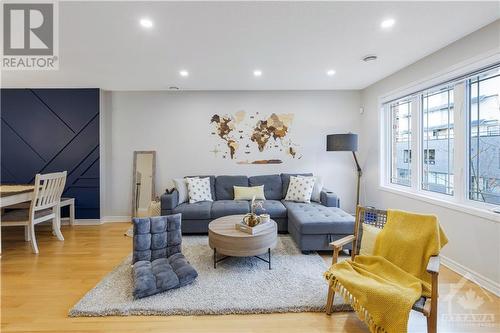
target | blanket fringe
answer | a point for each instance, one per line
(360, 309)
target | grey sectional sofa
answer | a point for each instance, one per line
(312, 225)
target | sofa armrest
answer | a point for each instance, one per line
(329, 199)
(169, 200)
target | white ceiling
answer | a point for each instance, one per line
(221, 43)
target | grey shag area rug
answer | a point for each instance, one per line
(237, 286)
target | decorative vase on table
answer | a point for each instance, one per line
(251, 219)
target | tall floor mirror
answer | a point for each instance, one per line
(143, 191)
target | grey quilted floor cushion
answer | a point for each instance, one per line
(153, 277)
(158, 264)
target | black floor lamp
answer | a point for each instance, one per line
(345, 142)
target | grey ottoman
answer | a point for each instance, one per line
(158, 264)
(313, 226)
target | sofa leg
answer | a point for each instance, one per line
(306, 252)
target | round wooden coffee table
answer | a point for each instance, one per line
(224, 238)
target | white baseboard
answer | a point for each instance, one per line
(83, 221)
(65, 221)
(106, 219)
(114, 219)
(475, 277)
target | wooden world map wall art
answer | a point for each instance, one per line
(253, 138)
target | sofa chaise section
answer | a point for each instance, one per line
(313, 226)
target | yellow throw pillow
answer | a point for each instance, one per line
(368, 238)
(247, 193)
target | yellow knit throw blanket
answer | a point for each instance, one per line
(383, 288)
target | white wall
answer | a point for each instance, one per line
(474, 242)
(177, 126)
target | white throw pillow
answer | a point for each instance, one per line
(318, 186)
(300, 189)
(180, 185)
(199, 189)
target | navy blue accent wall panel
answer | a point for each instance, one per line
(48, 130)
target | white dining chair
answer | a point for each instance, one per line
(45, 206)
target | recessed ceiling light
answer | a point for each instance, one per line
(370, 57)
(330, 72)
(387, 23)
(184, 73)
(257, 72)
(146, 23)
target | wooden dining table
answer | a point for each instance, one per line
(13, 195)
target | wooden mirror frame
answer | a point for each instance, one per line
(134, 175)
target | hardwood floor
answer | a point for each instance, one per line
(38, 290)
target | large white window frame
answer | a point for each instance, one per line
(460, 199)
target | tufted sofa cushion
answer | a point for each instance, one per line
(272, 207)
(314, 218)
(158, 263)
(194, 211)
(273, 186)
(229, 207)
(224, 186)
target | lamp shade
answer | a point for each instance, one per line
(342, 142)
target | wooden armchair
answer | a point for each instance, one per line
(378, 218)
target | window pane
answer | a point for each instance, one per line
(484, 137)
(400, 113)
(437, 145)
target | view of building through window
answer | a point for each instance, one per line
(401, 142)
(437, 141)
(484, 137)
